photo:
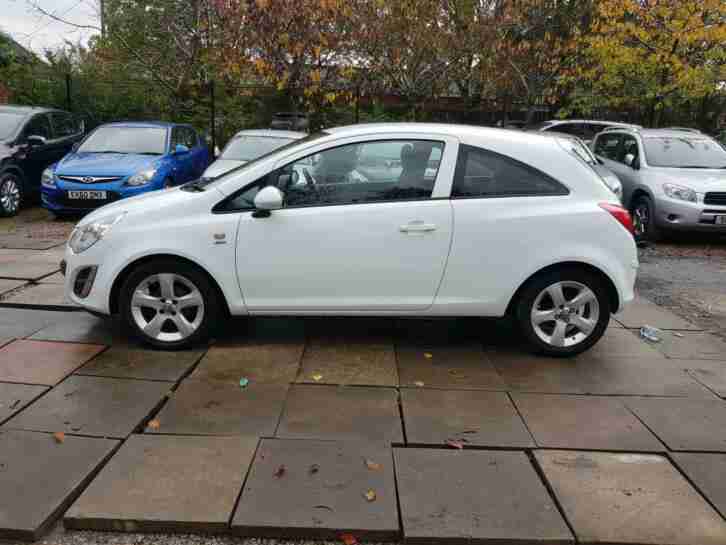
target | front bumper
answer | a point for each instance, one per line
(689, 216)
(84, 284)
(56, 198)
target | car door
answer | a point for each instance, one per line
(344, 243)
(37, 157)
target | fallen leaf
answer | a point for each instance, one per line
(349, 539)
(317, 378)
(428, 355)
(370, 495)
(453, 443)
(314, 469)
(418, 383)
(373, 466)
(280, 471)
(153, 424)
(59, 436)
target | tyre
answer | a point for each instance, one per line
(11, 193)
(644, 220)
(563, 312)
(169, 304)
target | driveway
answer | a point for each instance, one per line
(356, 429)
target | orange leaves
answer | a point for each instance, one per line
(59, 437)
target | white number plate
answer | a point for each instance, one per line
(86, 194)
(720, 220)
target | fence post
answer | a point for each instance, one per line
(69, 103)
(213, 116)
(357, 104)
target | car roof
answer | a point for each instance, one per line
(161, 124)
(449, 129)
(271, 133)
(662, 133)
(594, 121)
(26, 110)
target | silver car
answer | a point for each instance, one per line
(247, 145)
(673, 179)
(579, 148)
(585, 129)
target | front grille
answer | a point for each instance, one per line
(89, 204)
(90, 179)
(715, 197)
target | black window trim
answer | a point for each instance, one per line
(217, 208)
(76, 121)
(461, 165)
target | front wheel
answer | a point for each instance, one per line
(563, 312)
(169, 304)
(11, 194)
(644, 223)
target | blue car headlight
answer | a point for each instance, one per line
(47, 179)
(142, 178)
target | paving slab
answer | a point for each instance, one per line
(706, 471)
(40, 478)
(80, 327)
(40, 295)
(56, 278)
(691, 345)
(336, 361)
(96, 406)
(15, 397)
(531, 373)
(474, 496)
(684, 424)
(9, 285)
(23, 322)
(447, 366)
(134, 362)
(341, 413)
(215, 408)
(42, 362)
(441, 331)
(621, 343)
(638, 499)
(584, 422)
(474, 418)
(351, 328)
(25, 242)
(272, 362)
(642, 312)
(320, 493)
(26, 264)
(712, 378)
(166, 484)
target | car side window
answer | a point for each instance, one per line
(38, 126)
(607, 145)
(368, 172)
(190, 138)
(484, 174)
(64, 125)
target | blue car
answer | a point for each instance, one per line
(120, 160)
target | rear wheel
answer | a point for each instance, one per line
(169, 304)
(563, 312)
(11, 194)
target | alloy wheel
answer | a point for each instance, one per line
(167, 307)
(9, 195)
(641, 218)
(565, 313)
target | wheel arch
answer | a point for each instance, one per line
(613, 295)
(637, 193)
(113, 303)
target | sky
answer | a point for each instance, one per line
(37, 32)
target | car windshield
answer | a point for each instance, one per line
(141, 140)
(202, 183)
(581, 150)
(684, 152)
(8, 124)
(246, 148)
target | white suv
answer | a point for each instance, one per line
(470, 222)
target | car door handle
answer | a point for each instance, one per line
(417, 227)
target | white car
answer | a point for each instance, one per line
(512, 223)
(248, 145)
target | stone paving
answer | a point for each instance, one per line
(422, 430)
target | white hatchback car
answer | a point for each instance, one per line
(499, 222)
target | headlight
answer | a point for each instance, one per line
(142, 178)
(85, 236)
(679, 192)
(48, 178)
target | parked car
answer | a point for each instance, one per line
(537, 236)
(290, 121)
(248, 145)
(585, 129)
(672, 179)
(30, 140)
(579, 147)
(721, 137)
(120, 160)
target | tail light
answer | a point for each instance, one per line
(620, 214)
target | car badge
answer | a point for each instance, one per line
(88, 180)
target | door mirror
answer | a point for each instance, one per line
(269, 198)
(35, 140)
(180, 149)
(632, 161)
